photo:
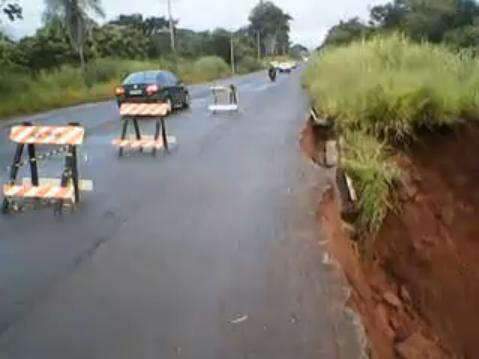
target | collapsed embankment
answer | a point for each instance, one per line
(418, 288)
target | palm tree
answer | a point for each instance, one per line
(76, 15)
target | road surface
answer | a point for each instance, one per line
(209, 252)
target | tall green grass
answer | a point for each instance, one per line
(390, 86)
(21, 93)
(380, 92)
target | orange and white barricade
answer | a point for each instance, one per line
(67, 138)
(225, 99)
(133, 112)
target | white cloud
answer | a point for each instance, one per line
(312, 18)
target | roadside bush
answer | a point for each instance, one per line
(102, 70)
(249, 64)
(108, 69)
(208, 68)
(381, 91)
(13, 81)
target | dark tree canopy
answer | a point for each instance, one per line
(11, 9)
(452, 21)
(148, 26)
(347, 31)
(272, 23)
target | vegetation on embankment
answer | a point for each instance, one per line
(22, 93)
(380, 92)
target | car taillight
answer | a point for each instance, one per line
(151, 89)
(119, 91)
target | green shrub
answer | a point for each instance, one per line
(102, 70)
(209, 68)
(64, 78)
(249, 64)
(108, 69)
(13, 82)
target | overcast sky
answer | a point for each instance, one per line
(312, 18)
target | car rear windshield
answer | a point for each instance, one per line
(148, 77)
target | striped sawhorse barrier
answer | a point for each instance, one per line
(225, 99)
(68, 138)
(133, 112)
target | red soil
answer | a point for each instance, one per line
(389, 317)
(419, 295)
(432, 247)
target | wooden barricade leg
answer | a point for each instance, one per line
(137, 132)
(157, 135)
(75, 176)
(233, 97)
(164, 135)
(123, 134)
(137, 129)
(66, 176)
(13, 173)
(72, 150)
(33, 164)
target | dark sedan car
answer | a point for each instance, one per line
(153, 86)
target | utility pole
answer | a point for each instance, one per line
(258, 39)
(232, 45)
(172, 27)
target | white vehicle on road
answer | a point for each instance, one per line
(286, 67)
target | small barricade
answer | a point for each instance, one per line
(134, 113)
(66, 139)
(225, 99)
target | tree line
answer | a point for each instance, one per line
(455, 22)
(70, 35)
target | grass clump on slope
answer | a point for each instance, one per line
(366, 160)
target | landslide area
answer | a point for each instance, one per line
(418, 288)
(432, 246)
(396, 117)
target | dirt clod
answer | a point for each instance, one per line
(409, 188)
(392, 299)
(405, 296)
(383, 320)
(418, 347)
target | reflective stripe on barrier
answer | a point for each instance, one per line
(145, 109)
(39, 192)
(223, 108)
(144, 143)
(48, 135)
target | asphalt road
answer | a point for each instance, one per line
(208, 252)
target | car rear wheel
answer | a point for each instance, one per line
(169, 102)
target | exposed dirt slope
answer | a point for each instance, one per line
(419, 294)
(432, 247)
